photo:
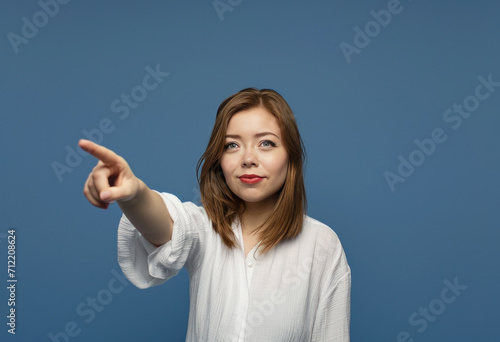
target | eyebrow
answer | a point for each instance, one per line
(258, 135)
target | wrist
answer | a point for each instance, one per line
(139, 195)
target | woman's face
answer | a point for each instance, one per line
(254, 161)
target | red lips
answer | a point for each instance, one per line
(250, 179)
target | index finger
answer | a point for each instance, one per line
(105, 155)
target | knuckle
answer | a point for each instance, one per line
(96, 176)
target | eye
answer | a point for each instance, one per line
(268, 143)
(230, 146)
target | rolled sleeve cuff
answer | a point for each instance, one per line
(146, 265)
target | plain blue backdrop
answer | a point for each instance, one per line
(363, 86)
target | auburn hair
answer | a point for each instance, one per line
(222, 205)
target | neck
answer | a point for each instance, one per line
(256, 214)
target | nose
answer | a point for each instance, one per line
(249, 158)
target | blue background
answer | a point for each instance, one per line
(357, 115)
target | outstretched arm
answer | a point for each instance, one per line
(112, 180)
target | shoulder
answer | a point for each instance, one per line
(317, 231)
(185, 212)
(174, 202)
(328, 252)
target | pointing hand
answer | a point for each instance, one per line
(111, 179)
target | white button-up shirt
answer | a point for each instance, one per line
(297, 291)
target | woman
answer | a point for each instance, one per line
(260, 269)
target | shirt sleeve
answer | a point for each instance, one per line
(146, 265)
(334, 312)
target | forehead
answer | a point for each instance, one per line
(252, 121)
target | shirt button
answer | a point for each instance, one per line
(250, 264)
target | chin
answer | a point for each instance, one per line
(257, 199)
(250, 199)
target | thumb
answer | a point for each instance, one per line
(107, 195)
(115, 193)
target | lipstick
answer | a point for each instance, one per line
(250, 179)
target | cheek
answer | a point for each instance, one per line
(278, 165)
(226, 166)
(284, 170)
